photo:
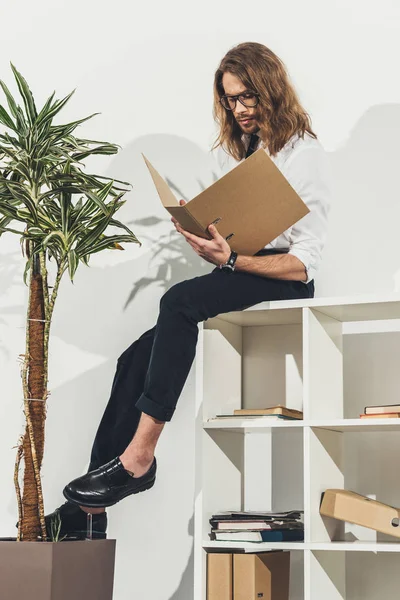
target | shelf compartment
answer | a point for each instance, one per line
(250, 367)
(361, 463)
(352, 573)
(371, 367)
(234, 477)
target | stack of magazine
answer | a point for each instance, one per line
(238, 526)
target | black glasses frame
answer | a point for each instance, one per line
(238, 97)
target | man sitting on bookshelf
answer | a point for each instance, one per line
(255, 105)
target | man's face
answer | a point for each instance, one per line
(244, 115)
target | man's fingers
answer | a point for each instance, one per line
(194, 246)
(190, 236)
(182, 203)
(179, 227)
(213, 231)
(195, 241)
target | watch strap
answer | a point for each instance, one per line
(230, 263)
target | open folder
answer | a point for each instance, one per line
(250, 206)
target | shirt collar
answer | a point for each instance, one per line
(246, 137)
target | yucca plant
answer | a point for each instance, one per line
(63, 213)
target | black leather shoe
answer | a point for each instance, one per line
(73, 524)
(108, 484)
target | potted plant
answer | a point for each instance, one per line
(61, 214)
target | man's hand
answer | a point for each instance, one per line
(215, 251)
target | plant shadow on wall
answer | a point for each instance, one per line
(11, 269)
(120, 283)
(171, 253)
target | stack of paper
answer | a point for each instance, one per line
(247, 526)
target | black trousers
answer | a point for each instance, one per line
(151, 373)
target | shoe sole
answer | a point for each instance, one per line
(142, 488)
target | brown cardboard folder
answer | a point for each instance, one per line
(361, 510)
(251, 205)
(263, 575)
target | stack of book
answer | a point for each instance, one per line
(238, 526)
(391, 411)
(272, 412)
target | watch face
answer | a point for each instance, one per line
(228, 268)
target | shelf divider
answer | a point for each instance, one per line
(322, 366)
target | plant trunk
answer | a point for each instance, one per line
(35, 387)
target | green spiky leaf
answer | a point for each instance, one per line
(26, 94)
(64, 212)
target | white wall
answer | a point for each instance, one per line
(148, 68)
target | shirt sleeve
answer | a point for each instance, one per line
(308, 172)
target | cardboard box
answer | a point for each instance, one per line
(354, 508)
(251, 205)
(219, 576)
(262, 576)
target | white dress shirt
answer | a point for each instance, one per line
(305, 165)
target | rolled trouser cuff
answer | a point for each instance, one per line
(151, 408)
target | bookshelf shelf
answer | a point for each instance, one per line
(343, 425)
(345, 309)
(359, 425)
(356, 546)
(253, 547)
(302, 354)
(243, 425)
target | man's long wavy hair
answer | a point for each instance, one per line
(279, 112)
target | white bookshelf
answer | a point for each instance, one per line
(295, 353)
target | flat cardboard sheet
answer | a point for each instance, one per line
(251, 205)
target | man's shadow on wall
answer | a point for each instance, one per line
(362, 251)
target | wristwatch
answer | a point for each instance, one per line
(229, 266)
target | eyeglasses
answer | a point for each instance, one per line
(248, 99)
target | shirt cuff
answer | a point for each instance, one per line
(305, 259)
